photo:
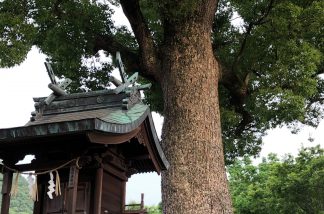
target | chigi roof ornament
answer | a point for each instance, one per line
(57, 88)
(132, 92)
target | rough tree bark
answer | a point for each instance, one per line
(196, 181)
(191, 137)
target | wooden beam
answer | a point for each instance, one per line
(98, 191)
(72, 189)
(101, 138)
(111, 158)
(62, 85)
(115, 81)
(139, 157)
(6, 188)
(38, 165)
(112, 170)
(149, 148)
(56, 90)
(50, 72)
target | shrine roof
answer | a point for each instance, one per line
(102, 112)
(106, 107)
(106, 117)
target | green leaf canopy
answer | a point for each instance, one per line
(294, 185)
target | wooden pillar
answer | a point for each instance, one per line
(38, 205)
(6, 188)
(142, 201)
(72, 189)
(98, 191)
(124, 197)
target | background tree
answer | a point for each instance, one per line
(293, 185)
(268, 68)
(22, 203)
(155, 209)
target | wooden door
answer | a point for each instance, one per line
(112, 194)
(83, 198)
(58, 205)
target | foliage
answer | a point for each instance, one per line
(154, 209)
(16, 32)
(22, 203)
(275, 55)
(270, 63)
(293, 185)
(134, 205)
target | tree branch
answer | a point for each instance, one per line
(238, 87)
(109, 44)
(238, 90)
(251, 25)
(130, 56)
(149, 62)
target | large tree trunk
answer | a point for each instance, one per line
(191, 136)
(196, 180)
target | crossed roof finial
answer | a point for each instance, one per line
(126, 81)
(57, 88)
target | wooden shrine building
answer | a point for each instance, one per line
(94, 140)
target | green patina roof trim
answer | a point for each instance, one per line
(115, 121)
(120, 116)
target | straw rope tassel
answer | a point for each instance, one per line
(34, 190)
(14, 189)
(31, 186)
(58, 184)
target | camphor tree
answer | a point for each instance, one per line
(254, 76)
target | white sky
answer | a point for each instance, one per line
(20, 84)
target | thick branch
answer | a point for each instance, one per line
(109, 44)
(149, 61)
(238, 87)
(238, 90)
(251, 25)
(130, 56)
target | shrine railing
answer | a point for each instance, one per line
(136, 208)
